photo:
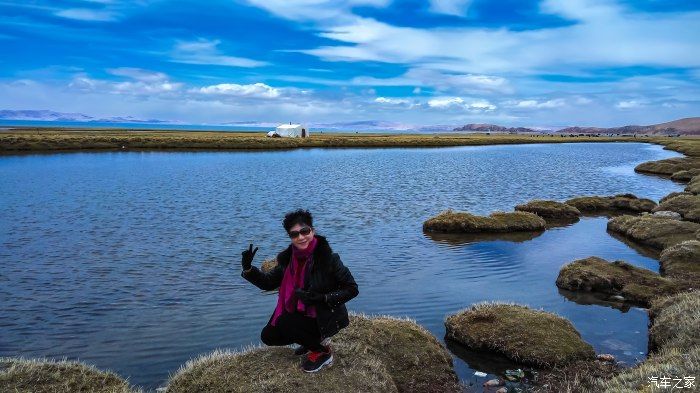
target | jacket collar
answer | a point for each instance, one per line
(322, 253)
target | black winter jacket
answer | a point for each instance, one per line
(327, 275)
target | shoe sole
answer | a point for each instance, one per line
(327, 363)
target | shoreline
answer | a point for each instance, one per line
(45, 140)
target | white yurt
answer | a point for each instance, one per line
(291, 131)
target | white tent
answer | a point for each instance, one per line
(292, 131)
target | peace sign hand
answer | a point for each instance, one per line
(247, 257)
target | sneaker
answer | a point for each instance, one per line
(316, 360)
(301, 350)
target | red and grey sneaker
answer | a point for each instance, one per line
(315, 361)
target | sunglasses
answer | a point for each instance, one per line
(303, 231)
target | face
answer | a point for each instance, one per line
(301, 241)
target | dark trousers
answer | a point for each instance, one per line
(293, 328)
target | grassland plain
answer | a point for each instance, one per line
(67, 139)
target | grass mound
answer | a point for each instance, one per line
(668, 166)
(550, 209)
(673, 195)
(656, 232)
(415, 359)
(595, 274)
(39, 376)
(685, 175)
(694, 186)
(688, 206)
(675, 322)
(527, 336)
(682, 262)
(668, 363)
(461, 222)
(380, 354)
(617, 203)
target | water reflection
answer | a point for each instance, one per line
(456, 239)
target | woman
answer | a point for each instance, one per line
(314, 286)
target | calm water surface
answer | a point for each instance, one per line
(130, 260)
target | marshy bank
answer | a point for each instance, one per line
(130, 254)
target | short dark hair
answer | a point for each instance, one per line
(300, 216)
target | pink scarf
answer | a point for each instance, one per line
(294, 278)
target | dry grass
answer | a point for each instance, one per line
(550, 209)
(668, 166)
(673, 195)
(51, 376)
(668, 363)
(675, 322)
(611, 204)
(576, 377)
(688, 206)
(450, 221)
(656, 232)
(34, 139)
(682, 262)
(378, 354)
(527, 336)
(685, 175)
(694, 186)
(592, 274)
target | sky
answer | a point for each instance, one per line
(548, 63)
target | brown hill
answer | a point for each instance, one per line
(687, 126)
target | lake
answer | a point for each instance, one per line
(131, 260)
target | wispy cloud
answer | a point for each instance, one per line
(233, 89)
(450, 7)
(203, 51)
(87, 14)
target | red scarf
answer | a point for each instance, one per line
(293, 278)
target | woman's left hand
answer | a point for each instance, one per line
(310, 297)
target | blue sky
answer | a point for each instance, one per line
(526, 63)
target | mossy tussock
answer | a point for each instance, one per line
(527, 336)
(688, 206)
(674, 343)
(675, 322)
(550, 210)
(668, 363)
(653, 231)
(685, 175)
(682, 262)
(693, 186)
(49, 376)
(673, 195)
(668, 166)
(636, 285)
(377, 354)
(450, 221)
(625, 203)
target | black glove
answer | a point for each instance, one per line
(309, 297)
(247, 257)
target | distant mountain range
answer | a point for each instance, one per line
(687, 126)
(47, 115)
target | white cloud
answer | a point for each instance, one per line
(458, 102)
(444, 82)
(87, 14)
(450, 7)
(138, 74)
(253, 90)
(631, 104)
(391, 101)
(534, 104)
(203, 51)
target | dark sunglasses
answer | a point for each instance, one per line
(303, 231)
